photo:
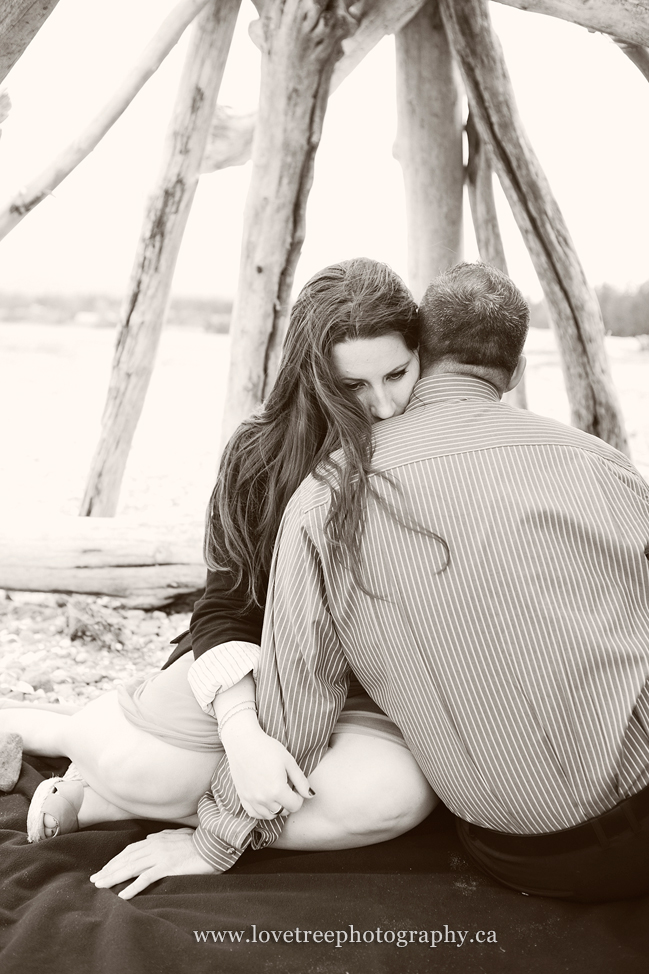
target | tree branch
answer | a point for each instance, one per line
(152, 57)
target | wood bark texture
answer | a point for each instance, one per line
(164, 224)
(377, 18)
(147, 564)
(627, 20)
(429, 146)
(46, 182)
(230, 142)
(639, 56)
(20, 21)
(572, 303)
(479, 177)
(302, 40)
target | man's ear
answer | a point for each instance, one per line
(517, 374)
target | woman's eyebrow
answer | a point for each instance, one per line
(395, 368)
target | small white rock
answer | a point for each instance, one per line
(61, 676)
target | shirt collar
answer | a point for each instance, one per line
(447, 386)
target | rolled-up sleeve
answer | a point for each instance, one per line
(219, 669)
(302, 683)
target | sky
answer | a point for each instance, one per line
(584, 105)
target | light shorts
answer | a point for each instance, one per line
(165, 707)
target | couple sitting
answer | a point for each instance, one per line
(458, 607)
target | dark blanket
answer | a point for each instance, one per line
(419, 886)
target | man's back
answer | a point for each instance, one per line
(513, 670)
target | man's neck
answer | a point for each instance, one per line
(449, 366)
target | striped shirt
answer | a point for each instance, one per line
(518, 673)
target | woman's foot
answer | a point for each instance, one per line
(54, 809)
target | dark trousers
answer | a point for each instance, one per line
(605, 858)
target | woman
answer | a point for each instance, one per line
(349, 359)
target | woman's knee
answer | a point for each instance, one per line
(382, 791)
(393, 807)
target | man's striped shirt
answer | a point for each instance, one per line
(518, 671)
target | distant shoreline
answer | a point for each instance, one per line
(625, 313)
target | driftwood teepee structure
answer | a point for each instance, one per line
(444, 49)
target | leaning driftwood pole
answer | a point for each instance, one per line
(230, 142)
(638, 54)
(152, 57)
(572, 303)
(429, 146)
(302, 43)
(20, 21)
(627, 20)
(479, 177)
(155, 260)
(379, 17)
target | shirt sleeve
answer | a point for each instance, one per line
(302, 683)
(223, 615)
(219, 669)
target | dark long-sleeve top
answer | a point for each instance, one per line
(222, 615)
(519, 674)
(225, 631)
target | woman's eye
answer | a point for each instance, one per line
(395, 376)
(356, 387)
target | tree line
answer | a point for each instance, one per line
(624, 312)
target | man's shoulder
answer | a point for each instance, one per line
(311, 493)
(453, 428)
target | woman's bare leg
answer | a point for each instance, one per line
(43, 731)
(368, 790)
(134, 770)
(128, 773)
(97, 809)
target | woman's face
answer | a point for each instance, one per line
(381, 372)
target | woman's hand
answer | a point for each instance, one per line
(168, 853)
(262, 769)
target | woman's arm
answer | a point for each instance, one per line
(265, 775)
(225, 634)
(223, 615)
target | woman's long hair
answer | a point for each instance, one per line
(308, 415)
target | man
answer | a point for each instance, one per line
(503, 625)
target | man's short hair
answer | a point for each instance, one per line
(475, 314)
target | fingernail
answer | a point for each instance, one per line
(311, 793)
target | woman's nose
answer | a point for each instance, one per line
(381, 404)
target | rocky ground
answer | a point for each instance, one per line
(69, 649)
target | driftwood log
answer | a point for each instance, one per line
(20, 21)
(144, 564)
(302, 41)
(164, 224)
(152, 57)
(572, 303)
(429, 146)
